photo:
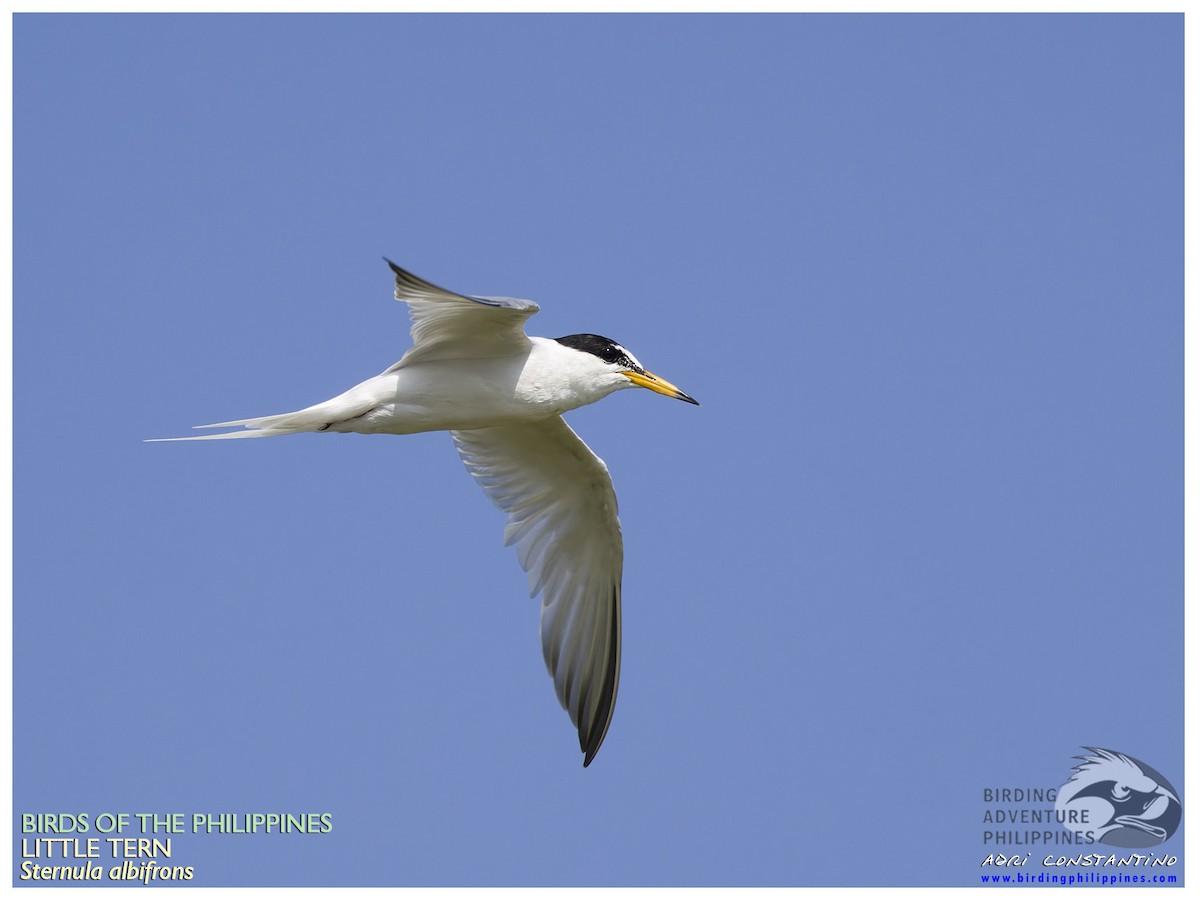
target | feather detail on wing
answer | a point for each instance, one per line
(562, 518)
(446, 325)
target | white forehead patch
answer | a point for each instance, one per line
(633, 359)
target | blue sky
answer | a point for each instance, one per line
(922, 538)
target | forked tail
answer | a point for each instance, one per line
(314, 418)
(353, 403)
(263, 426)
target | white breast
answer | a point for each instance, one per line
(462, 394)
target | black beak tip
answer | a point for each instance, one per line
(686, 399)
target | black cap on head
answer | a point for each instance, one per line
(604, 348)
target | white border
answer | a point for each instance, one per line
(1191, 344)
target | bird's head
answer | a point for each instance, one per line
(1126, 802)
(615, 361)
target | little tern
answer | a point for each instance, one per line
(474, 372)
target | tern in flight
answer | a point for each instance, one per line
(474, 372)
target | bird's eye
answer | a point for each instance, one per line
(1120, 791)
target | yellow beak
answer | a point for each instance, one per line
(659, 385)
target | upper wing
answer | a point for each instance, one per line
(562, 516)
(446, 325)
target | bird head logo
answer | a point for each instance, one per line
(1124, 802)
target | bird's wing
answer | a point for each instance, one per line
(446, 325)
(562, 517)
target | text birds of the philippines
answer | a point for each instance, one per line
(474, 372)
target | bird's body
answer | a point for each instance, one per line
(450, 394)
(472, 371)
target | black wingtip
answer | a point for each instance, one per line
(591, 738)
(590, 744)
